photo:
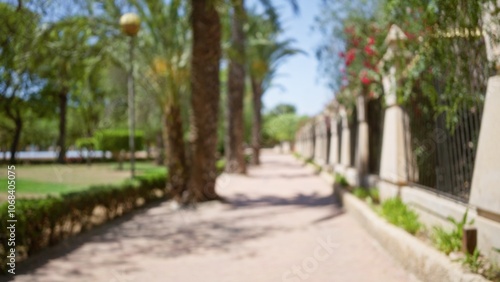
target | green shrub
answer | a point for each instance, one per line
(375, 195)
(361, 192)
(450, 241)
(45, 222)
(341, 180)
(399, 214)
(116, 140)
(472, 261)
(370, 194)
(89, 143)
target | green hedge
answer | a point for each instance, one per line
(89, 143)
(115, 140)
(45, 222)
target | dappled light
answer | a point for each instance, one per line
(249, 140)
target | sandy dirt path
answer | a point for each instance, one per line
(282, 224)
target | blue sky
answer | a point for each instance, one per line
(298, 76)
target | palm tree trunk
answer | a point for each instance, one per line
(205, 86)
(160, 148)
(176, 161)
(236, 90)
(61, 143)
(257, 120)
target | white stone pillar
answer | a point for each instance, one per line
(395, 161)
(362, 157)
(321, 140)
(485, 190)
(334, 141)
(345, 150)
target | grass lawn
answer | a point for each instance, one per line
(40, 180)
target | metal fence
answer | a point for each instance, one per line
(339, 134)
(353, 129)
(444, 145)
(375, 118)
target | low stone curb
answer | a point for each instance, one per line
(423, 261)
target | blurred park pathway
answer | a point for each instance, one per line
(282, 225)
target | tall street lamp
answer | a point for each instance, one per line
(130, 25)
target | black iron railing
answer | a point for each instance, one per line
(444, 145)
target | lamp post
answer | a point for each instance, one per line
(130, 25)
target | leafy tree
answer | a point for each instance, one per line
(283, 127)
(117, 141)
(282, 109)
(17, 78)
(63, 59)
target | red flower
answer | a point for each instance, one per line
(350, 56)
(369, 51)
(371, 41)
(364, 78)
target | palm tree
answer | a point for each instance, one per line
(236, 81)
(163, 62)
(205, 86)
(236, 90)
(165, 59)
(265, 54)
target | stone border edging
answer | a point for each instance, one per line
(418, 258)
(415, 256)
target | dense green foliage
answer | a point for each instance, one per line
(282, 127)
(88, 143)
(367, 193)
(399, 214)
(44, 222)
(442, 64)
(341, 180)
(118, 139)
(281, 124)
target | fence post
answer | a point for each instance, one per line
(318, 133)
(345, 150)
(321, 146)
(334, 140)
(485, 192)
(362, 141)
(311, 140)
(394, 160)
